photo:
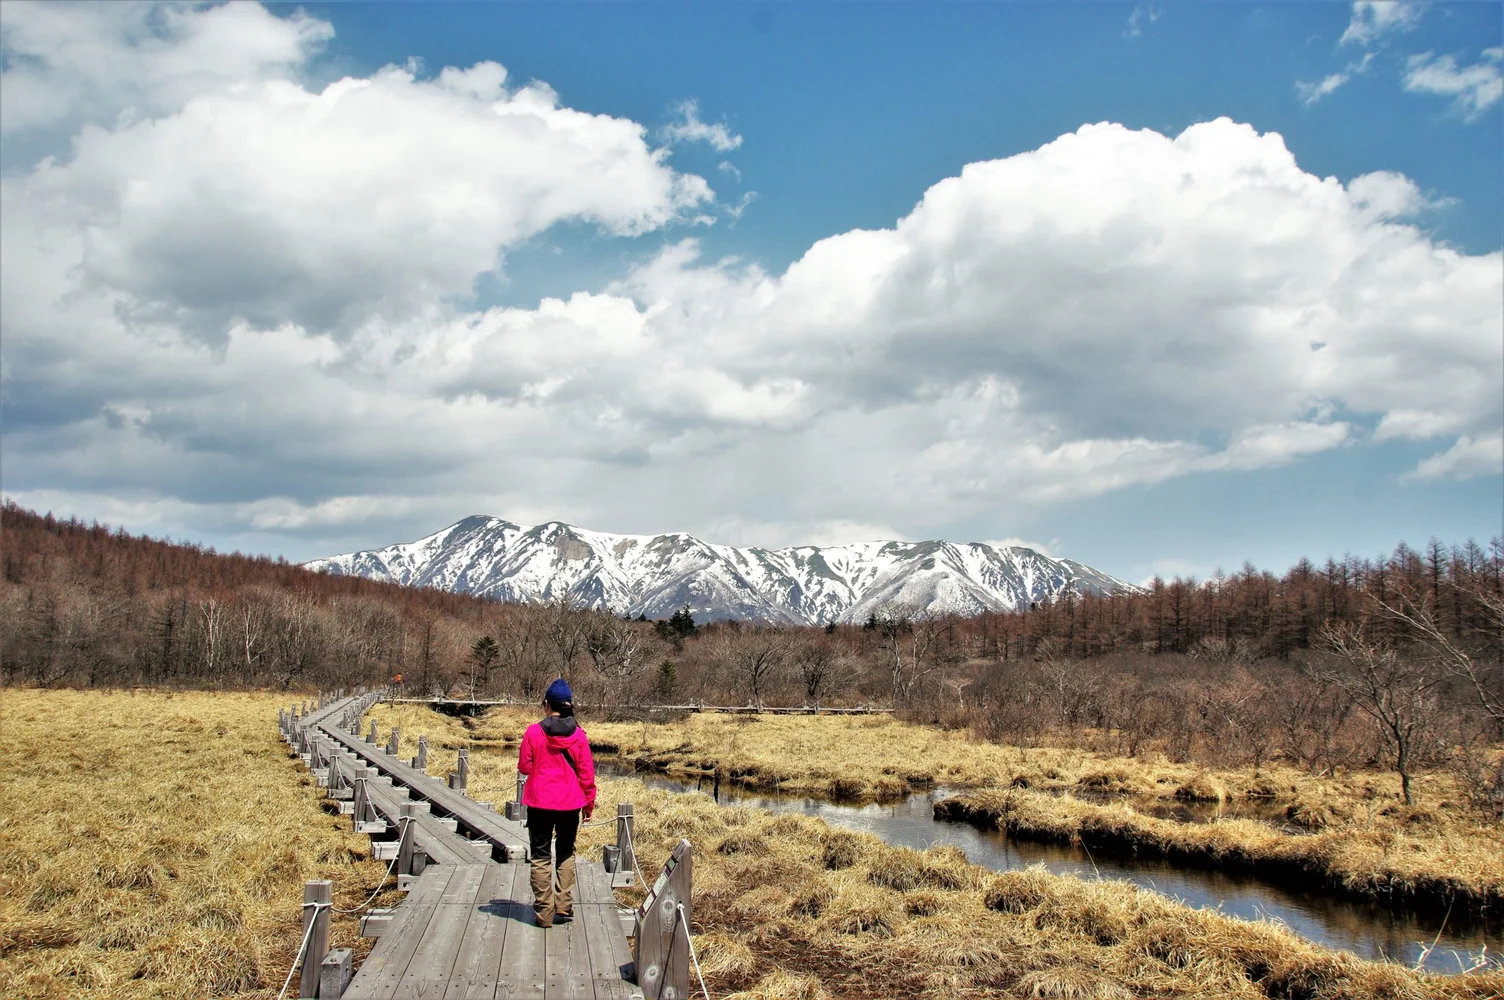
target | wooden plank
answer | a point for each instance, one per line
(592, 883)
(521, 974)
(556, 981)
(383, 968)
(581, 961)
(581, 972)
(610, 954)
(427, 975)
(606, 969)
(476, 965)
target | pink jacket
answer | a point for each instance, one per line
(551, 782)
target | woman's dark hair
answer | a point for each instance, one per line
(564, 708)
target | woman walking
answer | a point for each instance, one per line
(555, 756)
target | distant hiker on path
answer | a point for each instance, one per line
(555, 755)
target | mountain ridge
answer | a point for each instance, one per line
(654, 575)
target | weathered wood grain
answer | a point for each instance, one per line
(493, 913)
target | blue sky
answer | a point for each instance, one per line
(273, 293)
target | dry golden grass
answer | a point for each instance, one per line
(156, 845)
(1364, 842)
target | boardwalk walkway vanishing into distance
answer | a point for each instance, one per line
(466, 928)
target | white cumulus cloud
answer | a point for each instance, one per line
(72, 62)
(380, 195)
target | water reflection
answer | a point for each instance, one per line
(1367, 929)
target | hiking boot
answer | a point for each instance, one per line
(542, 877)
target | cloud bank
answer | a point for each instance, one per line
(248, 305)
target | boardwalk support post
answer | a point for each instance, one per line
(420, 762)
(335, 974)
(318, 896)
(395, 743)
(371, 739)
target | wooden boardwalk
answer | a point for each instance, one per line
(467, 931)
(465, 928)
(478, 819)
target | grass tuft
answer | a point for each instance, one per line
(1202, 787)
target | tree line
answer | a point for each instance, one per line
(1392, 661)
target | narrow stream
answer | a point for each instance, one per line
(1370, 930)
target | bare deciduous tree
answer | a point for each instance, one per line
(565, 624)
(1396, 691)
(754, 656)
(1418, 616)
(816, 659)
(908, 635)
(615, 650)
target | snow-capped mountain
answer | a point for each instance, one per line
(658, 574)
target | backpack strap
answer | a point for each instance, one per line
(572, 766)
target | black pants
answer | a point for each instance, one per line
(544, 825)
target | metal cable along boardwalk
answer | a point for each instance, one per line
(466, 927)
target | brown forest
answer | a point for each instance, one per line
(1392, 662)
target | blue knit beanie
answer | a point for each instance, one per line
(558, 694)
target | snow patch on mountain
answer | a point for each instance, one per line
(655, 575)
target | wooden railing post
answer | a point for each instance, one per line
(394, 742)
(371, 739)
(318, 891)
(515, 810)
(421, 761)
(626, 855)
(660, 948)
(405, 843)
(358, 813)
(459, 780)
